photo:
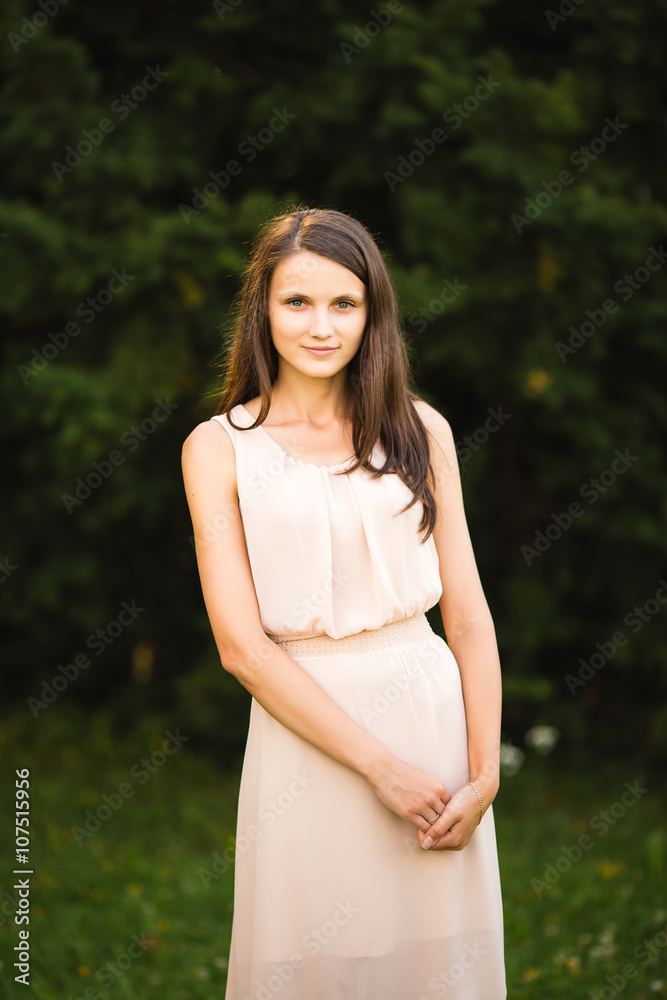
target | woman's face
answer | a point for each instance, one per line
(315, 303)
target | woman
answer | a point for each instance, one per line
(366, 862)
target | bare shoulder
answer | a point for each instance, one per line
(203, 436)
(208, 450)
(433, 420)
(438, 428)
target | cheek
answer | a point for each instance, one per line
(359, 328)
(286, 331)
(279, 322)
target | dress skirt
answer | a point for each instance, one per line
(334, 898)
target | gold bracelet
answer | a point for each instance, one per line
(481, 804)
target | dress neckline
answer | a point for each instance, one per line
(293, 458)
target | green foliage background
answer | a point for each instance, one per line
(361, 98)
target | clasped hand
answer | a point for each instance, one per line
(456, 825)
(444, 822)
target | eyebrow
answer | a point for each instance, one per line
(294, 293)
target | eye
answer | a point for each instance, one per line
(346, 302)
(290, 301)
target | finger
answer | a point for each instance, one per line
(423, 825)
(428, 816)
(452, 835)
(447, 844)
(455, 838)
(431, 813)
(438, 829)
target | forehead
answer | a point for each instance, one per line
(311, 272)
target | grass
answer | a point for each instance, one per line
(583, 882)
(141, 875)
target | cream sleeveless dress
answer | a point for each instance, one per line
(334, 899)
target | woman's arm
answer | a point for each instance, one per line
(470, 635)
(264, 668)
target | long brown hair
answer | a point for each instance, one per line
(380, 405)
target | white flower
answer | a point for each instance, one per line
(511, 758)
(542, 738)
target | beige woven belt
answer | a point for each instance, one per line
(392, 634)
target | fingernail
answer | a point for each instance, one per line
(427, 841)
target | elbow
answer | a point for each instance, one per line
(466, 623)
(229, 664)
(243, 660)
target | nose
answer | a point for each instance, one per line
(321, 325)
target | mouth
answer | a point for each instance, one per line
(320, 351)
